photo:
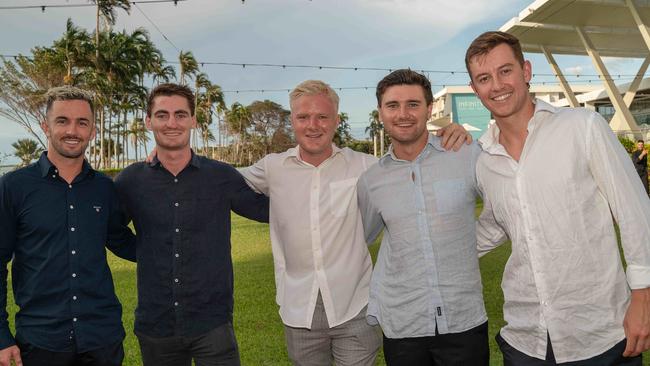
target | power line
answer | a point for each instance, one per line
(155, 26)
(43, 7)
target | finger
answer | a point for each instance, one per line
(17, 359)
(458, 143)
(630, 346)
(468, 139)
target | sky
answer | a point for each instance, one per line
(388, 34)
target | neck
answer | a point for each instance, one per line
(174, 160)
(410, 151)
(513, 130)
(68, 168)
(313, 159)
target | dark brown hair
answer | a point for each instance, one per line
(405, 77)
(169, 89)
(487, 41)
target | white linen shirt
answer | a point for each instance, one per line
(316, 233)
(564, 275)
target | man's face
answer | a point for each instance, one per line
(500, 81)
(314, 120)
(639, 145)
(171, 122)
(404, 112)
(69, 128)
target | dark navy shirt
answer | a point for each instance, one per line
(185, 278)
(56, 233)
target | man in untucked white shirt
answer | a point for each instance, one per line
(551, 180)
(322, 264)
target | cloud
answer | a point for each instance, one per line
(574, 70)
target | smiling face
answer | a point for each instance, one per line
(69, 128)
(404, 112)
(314, 120)
(171, 122)
(501, 83)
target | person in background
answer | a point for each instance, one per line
(640, 159)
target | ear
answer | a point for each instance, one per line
(45, 128)
(147, 123)
(471, 84)
(194, 122)
(528, 71)
(430, 108)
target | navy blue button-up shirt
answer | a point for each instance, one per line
(185, 278)
(56, 233)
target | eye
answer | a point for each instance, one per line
(506, 71)
(182, 115)
(482, 79)
(413, 105)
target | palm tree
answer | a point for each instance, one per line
(188, 66)
(26, 150)
(374, 128)
(106, 9)
(342, 135)
(75, 47)
(238, 120)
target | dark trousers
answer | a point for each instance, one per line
(466, 348)
(111, 355)
(217, 347)
(611, 357)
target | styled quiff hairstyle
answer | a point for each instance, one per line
(314, 87)
(404, 77)
(168, 90)
(67, 93)
(487, 41)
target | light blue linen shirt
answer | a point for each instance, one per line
(427, 273)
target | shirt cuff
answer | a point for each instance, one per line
(638, 277)
(6, 338)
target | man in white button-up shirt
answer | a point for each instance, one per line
(322, 264)
(551, 179)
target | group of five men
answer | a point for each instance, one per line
(550, 180)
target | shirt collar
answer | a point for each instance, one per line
(489, 141)
(294, 153)
(194, 161)
(433, 141)
(46, 167)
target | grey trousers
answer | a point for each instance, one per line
(218, 347)
(353, 343)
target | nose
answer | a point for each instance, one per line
(497, 83)
(312, 122)
(403, 111)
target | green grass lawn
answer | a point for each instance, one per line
(257, 323)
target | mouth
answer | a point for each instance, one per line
(502, 97)
(71, 141)
(172, 133)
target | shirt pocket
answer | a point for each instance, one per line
(450, 195)
(343, 197)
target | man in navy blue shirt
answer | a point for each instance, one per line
(180, 204)
(56, 217)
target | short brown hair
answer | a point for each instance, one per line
(67, 93)
(169, 89)
(404, 77)
(314, 87)
(487, 41)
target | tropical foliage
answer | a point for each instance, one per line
(26, 150)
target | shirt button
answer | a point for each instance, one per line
(175, 180)
(175, 303)
(74, 319)
(53, 175)
(74, 298)
(56, 170)
(176, 280)
(71, 207)
(176, 204)
(73, 252)
(177, 229)
(74, 275)
(71, 229)
(176, 255)
(69, 185)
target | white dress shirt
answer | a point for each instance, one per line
(564, 275)
(316, 233)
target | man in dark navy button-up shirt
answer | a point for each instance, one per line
(56, 217)
(180, 204)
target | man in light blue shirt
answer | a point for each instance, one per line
(425, 291)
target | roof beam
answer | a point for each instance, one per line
(626, 120)
(594, 29)
(571, 97)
